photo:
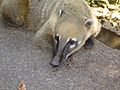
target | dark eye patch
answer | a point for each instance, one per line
(56, 44)
(56, 37)
(72, 42)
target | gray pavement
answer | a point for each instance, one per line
(97, 69)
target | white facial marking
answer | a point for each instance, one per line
(58, 36)
(72, 46)
(79, 42)
(74, 39)
(68, 40)
(60, 12)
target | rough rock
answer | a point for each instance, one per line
(97, 69)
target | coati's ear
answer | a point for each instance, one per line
(89, 23)
(60, 13)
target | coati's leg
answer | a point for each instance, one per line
(89, 44)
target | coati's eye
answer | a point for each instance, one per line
(72, 43)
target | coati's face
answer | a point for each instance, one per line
(69, 37)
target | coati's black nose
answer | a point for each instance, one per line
(55, 62)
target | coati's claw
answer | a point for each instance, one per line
(54, 64)
(70, 61)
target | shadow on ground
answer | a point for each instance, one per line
(97, 69)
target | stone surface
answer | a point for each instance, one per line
(96, 69)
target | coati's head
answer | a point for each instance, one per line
(70, 35)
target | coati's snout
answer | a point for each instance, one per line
(62, 49)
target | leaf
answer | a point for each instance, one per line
(21, 85)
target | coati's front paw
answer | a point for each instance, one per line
(89, 44)
(70, 60)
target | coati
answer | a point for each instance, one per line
(71, 23)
